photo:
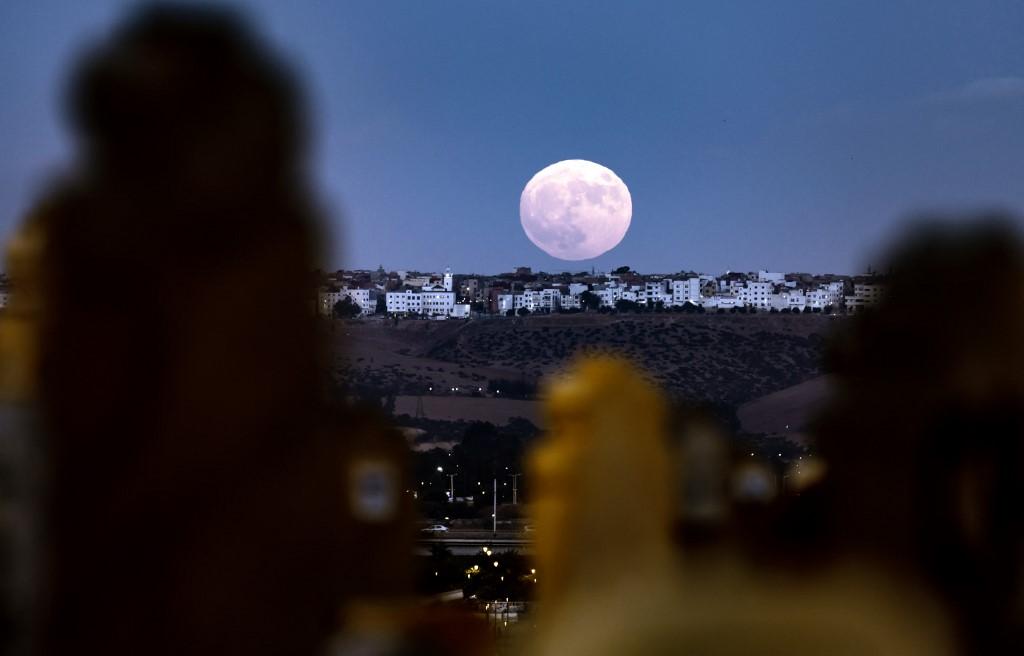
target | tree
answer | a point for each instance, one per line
(382, 304)
(590, 301)
(346, 309)
(523, 312)
(510, 313)
(625, 305)
(622, 269)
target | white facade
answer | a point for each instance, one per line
(430, 301)
(608, 295)
(789, 300)
(404, 302)
(756, 294)
(534, 300)
(659, 291)
(686, 291)
(366, 299)
(722, 301)
(570, 301)
(508, 302)
(549, 300)
(437, 302)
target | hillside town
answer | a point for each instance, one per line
(522, 292)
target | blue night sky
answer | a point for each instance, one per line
(792, 136)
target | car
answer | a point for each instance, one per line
(436, 528)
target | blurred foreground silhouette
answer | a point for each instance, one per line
(197, 490)
(925, 436)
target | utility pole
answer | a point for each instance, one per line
(494, 515)
(451, 493)
(515, 489)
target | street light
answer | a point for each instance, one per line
(515, 488)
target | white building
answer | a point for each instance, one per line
(430, 301)
(508, 302)
(404, 302)
(570, 301)
(767, 276)
(658, 291)
(534, 300)
(366, 299)
(547, 300)
(435, 302)
(756, 294)
(825, 295)
(722, 301)
(434, 298)
(793, 300)
(687, 291)
(609, 294)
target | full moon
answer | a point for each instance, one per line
(575, 209)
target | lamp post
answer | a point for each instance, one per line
(515, 489)
(494, 515)
(451, 493)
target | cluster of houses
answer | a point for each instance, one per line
(767, 291)
(427, 296)
(439, 296)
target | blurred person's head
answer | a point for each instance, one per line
(923, 438)
(188, 99)
(194, 493)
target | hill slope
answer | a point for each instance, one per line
(730, 359)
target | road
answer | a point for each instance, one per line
(469, 542)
